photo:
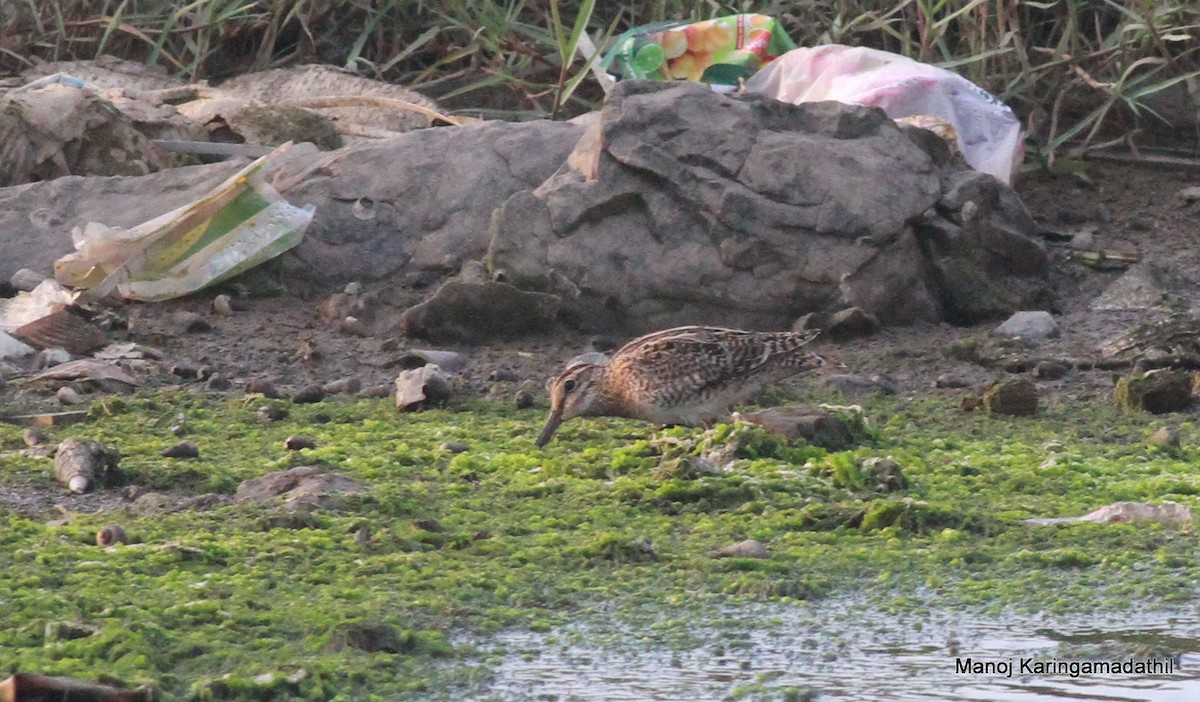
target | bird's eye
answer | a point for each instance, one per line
(569, 385)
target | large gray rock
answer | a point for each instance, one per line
(683, 206)
(414, 208)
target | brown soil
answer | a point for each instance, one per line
(1135, 210)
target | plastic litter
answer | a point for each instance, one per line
(240, 224)
(719, 51)
(987, 132)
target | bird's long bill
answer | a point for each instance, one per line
(552, 423)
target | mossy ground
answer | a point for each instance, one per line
(253, 599)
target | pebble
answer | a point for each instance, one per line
(183, 449)
(354, 326)
(34, 437)
(270, 413)
(1050, 370)
(524, 399)
(379, 391)
(218, 383)
(308, 394)
(191, 322)
(743, 549)
(223, 305)
(296, 443)
(264, 387)
(949, 381)
(1165, 436)
(26, 280)
(343, 386)
(68, 395)
(111, 534)
(454, 446)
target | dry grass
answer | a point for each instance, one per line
(1079, 71)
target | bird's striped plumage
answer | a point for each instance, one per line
(686, 375)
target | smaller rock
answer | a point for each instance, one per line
(68, 395)
(343, 386)
(421, 388)
(308, 395)
(813, 321)
(969, 403)
(217, 383)
(362, 537)
(1157, 391)
(1084, 239)
(379, 391)
(62, 631)
(368, 636)
(353, 288)
(860, 386)
(1015, 398)
(1186, 195)
(34, 437)
(523, 399)
(604, 344)
(884, 474)
(48, 358)
(223, 305)
(804, 423)
(949, 381)
(153, 503)
(1122, 512)
(26, 280)
(190, 322)
(851, 323)
(1050, 370)
(431, 525)
(353, 326)
(449, 361)
(270, 413)
(183, 449)
(1164, 436)
(503, 375)
(111, 534)
(1031, 326)
(743, 549)
(454, 446)
(264, 387)
(295, 443)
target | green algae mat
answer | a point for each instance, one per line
(396, 593)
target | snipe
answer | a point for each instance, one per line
(686, 375)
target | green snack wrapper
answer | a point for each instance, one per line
(719, 51)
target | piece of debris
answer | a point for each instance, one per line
(1120, 512)
(1031, 326)
(81, 464)
(111, 534)
(47, 419)
(1139, 288)
(1157, 391)
(743, 549)
(62, 329)
(421, 388)
(30, 687)
(183, 449)
(1016, 398)
(88, 369)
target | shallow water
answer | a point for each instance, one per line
(846, 651)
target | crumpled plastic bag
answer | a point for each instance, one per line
(238, 225)
(718, 51)
(988, 133)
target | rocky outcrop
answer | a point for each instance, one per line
(682, 206)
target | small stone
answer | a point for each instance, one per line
(183, 449)
(218, 383)
(604, 344)
(190, 322)
(362, 537)
(308, 394)
(343, 386)
(950, 381)
(524, 399)
(1187, 195)
(295, 443)
(1164, 436)
(431, 525)
(860, 386)
(48, 358)
(223, 305)
(264, 387)
(1015, 398)
(454, 446)
(1031, 326)
(270, 413)
(884, 474)
(503, 375)
(421, 388)
(851, 323)
(34, 437)
(379, 391)
(1050, 370)
(969, 403)
(1084, 239)
(26, 280)
(743, 549)
(111, 534)
(353, 326)
(353, 288)
(68, 395)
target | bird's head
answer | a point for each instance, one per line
(572, 394)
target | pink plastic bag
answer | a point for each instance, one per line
(988, 133)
